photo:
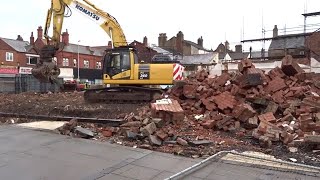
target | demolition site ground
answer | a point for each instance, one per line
(276, 113)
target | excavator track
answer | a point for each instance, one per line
(122, 94)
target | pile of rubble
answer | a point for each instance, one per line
(282, 105)
(279, 106)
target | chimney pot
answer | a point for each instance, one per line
(31, 39)
(40, 32)
(275, 31)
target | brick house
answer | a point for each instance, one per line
(179, 46)
(67, 57)
(15, 54)
(144, 52)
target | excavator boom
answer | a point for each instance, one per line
(46, 70)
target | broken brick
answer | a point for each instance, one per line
(189, 91)
(276, 84)
(290, 67)
(182, 141)
(269, 117)
(243, 112)
(252, 123)
(159, 122)
(209, 124)
(162, 135)
(225, 100)
(210, 106)
(272, 107)
(244, 65)
(149, 129)
(222, 80)
(106, 133)
(154, 140)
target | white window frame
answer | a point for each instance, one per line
(9, 56)
(98, 65)
(86, 64)
(32, 55)
(65, 62)
(55, 60)
(75, 63)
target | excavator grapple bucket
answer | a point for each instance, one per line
(46, 70)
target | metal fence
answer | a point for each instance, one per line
(26, 83)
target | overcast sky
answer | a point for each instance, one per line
(215, 21)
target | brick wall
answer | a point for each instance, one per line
(313, 43)
(144, 53)
(17, 57)
(92, 59)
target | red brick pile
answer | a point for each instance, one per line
(281, 105)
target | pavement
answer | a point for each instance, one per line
(40, 155)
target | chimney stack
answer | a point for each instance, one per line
(145, 41)
(226, 44)
(179, 42)
(40, 32)
(65, 37)
(200, 41)
(31, 39)
(162, 39)
(238, 48)
(19, 38)
(275, 31)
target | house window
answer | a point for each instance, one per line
(98, 66)
(86, 64)
(74, 62)
(9, 56)
(32, 59)
(65, 62)
(55, 61)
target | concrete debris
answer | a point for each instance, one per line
(154, 140)
(182, 141)
(200, 142)
(84, 133)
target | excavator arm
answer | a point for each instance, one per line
(46, 70)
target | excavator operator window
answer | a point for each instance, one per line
(118, 62)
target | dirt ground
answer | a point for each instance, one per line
(73, 104)
(61, 104)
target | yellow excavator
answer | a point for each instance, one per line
(129, 79)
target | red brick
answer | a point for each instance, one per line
(290, 67)
(269, 117)
(162, 135)
(278, 97)
(286, 137)
(244, 65)
(106, 133)
(210, 105)
(236, 124)
(243, 112)
(189, 91)
(252, 123)
(276, 72)
(269, 130)
(209, 124)
(225, 100)
(276, 84)
(222, 79)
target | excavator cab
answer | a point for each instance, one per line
(118, 63)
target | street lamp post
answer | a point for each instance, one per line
(78, 63)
